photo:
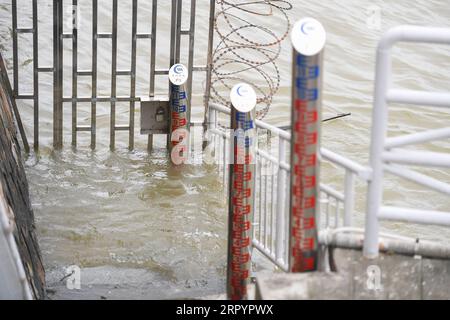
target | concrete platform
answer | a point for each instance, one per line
(390, 277)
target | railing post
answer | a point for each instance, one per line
(57, 74)
(241, 190)
(308, 39)
(349, 201)
(281, 194)
(379, 129)
(179, 114)
(209, 66)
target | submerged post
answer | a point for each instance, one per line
(179, 114)
(308, 39)
(241, 187)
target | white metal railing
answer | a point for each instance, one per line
(337, 208)
(12, 276)
(272, 197)
(386, 153)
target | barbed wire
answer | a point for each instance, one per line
(247, 50)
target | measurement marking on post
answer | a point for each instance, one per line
(179, 114)
(308, 38)
(241, 190)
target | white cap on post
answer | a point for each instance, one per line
(178, 74)
(308, 37)
(243, 97)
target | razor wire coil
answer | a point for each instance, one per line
(240, 49)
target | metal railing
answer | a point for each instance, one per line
(337, 209)
(386, 155)
(14, 280)
(272, 196)
(64, 35)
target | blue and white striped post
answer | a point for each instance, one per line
(308, 39)
(241, 190)
(179, 114)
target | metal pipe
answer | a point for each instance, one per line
(191, 50)
(35, 75)
(57, 74)
(241, 194)
(349, 202)
(209, 63)
(112, 133)
(342, 238)
(94, 74)
(419, 98)
(415, 216)
(420, 158)
(380, 117)
(133, 74)
(74, 71)
(419, 178)
(281, 194)
(15, 49)
(308, 39)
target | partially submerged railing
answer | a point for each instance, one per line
(386, 155)
(335, 220)
(273, 170)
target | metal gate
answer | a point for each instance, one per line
(64, 36)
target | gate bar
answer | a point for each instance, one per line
(94, 74)
(35, 76)
(57, 74)
(113, 77)
(74, 71)
(133, 74)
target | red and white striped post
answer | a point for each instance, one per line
(179, 114)
(241, 190)
(308, 39)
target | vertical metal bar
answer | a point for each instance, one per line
(173, 33)
(153, 62)
(378, 138)
(305, 146)
(153, 48)
(15, 49)
(57, 74)
(349, 201)
(74, 71)
(113, 78)
(191, 52)
(133, 74)
(94, 74)
(241, 185)
(212, 16)
(336, 214)
(178, 31)
(266, 220)
(9, 90)
(35, 75)
(173, 43)
(281, 203)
